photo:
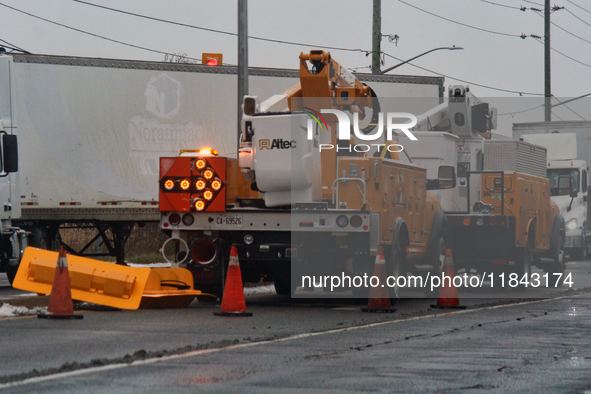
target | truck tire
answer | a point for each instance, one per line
(396, 266)
(283, 283)
(40, 239)
(558, 265)
(11, 273)
(523, 263)
(438, 260)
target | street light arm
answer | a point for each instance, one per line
(416, 57)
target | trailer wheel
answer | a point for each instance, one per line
(11, 273)
(283, 283)
(584, 250)
(523, 267)
(438, 261)
(40, 239)
(558, 265)
(396, 269)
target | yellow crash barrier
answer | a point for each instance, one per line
(169, 288)
(91, 280)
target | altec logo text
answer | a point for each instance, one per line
(344, 129)
(276, 143)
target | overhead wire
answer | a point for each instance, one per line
(520, 112)
(13, 47)
(567, 107)
(468, 82)
(504, 5)
(533, 2)
(576, 5)
(220, 31)
(565, 55)
(93, 34)
(460, 23)
(561, 28)
(573, 14)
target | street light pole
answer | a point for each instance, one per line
(422, 54)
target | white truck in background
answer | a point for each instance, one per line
(452, 133)
(568, 154)
(91, 131)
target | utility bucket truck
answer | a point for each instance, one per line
(91, 131)
(300, 201)
(514, 224)
(568, 155)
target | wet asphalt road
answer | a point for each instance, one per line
(311, 345)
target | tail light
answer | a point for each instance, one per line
(203, 251)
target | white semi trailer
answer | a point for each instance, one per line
(91, 131)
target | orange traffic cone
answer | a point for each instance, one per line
(448, 295)
(60, 305)
(379, 297)
(233, 303)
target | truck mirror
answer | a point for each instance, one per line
(573, 193)
(9, 153)
(446, 177)
(565, 185)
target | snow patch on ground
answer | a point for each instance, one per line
(269, 289)
(7, 310)
(154, 265)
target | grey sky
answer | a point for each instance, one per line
(495, 58)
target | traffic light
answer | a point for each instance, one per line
(212, 59)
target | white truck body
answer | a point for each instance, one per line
(91, 131)
(568, 154)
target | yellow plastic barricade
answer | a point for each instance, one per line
(169, 288)
(91, 280)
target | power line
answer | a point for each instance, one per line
(220, 31)
(568, 57)
(13, 47)
(92, 34)
(533, 2)
(520, 112)
(576, 5)
(504, 5)
(570, 109)
(569, 11)
(468, 82)
(563, 29)
(463, 24)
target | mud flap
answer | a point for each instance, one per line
(93, 281)
(169, 288)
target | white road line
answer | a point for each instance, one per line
(252, 344)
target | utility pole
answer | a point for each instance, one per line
(547, 75)
(376, 37)
(242, 58)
